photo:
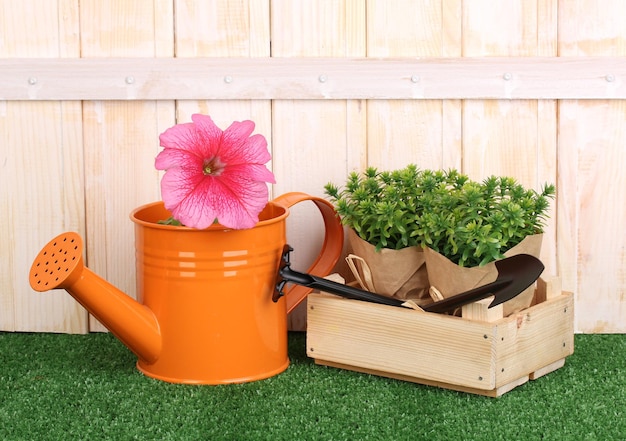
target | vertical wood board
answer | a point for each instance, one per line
(400, 132)
(220, 28)
(512, 138)
(121, 138)
(315, 142)
(592, 180)
(41, 166)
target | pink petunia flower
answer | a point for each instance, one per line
(213, 174)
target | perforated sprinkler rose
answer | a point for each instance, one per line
(214, 175)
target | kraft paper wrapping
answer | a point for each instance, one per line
(395, 273)
(450, 279)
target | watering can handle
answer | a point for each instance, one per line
(331, 248)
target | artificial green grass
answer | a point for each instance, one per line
(70, 387)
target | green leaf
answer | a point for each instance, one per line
(170, 221)
(467, 221)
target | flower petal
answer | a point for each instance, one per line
(174, 157)
(234, 193)
(176, 186)
(238, 147)
(253, 172)
(241, 200)
(202, 140)
(243, 212)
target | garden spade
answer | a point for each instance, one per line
(515, 274)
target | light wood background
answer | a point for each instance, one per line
(535, 89)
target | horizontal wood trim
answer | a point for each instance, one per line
(312, 78)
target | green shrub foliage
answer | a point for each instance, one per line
(471, 223)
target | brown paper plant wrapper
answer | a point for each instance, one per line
(395, 273)
(449, 279)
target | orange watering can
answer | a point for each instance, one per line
(204, 312)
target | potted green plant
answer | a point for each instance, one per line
(461, 225)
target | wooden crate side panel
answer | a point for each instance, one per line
(534, 338)
(42, 170)
(399, 341)
(121, 138)
(457, 387)
(592, 182)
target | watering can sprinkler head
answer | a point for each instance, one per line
(59, 264)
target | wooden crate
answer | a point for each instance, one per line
(480, 352)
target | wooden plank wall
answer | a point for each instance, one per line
(42, 171)
(82, 161)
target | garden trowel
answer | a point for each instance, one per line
(515, 274)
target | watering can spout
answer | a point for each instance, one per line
(60, 265)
